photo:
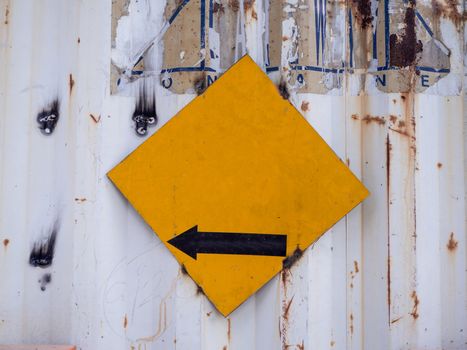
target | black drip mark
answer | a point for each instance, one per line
(45, 280)
(145, 112)
(48, 117)
(42, 252)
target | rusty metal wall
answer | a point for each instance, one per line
(381, 81)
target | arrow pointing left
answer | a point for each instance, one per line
(193, 242)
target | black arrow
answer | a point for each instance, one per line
(193, 242)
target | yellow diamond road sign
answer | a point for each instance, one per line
(235, 183)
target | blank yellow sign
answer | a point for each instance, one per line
(237, 161)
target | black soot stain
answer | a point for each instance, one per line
(48, 117)
(42, 252)
(145, 112)
(45, 280)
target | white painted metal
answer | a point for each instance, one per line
(382, 278)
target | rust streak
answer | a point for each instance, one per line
(125, 321)
(414, 312)
(301, 346)
(452, 243)
(396, 319)
(71, 82)
(6, 241)
(388, 194)
(356, 266)
(7, 14)
(285, 314)
(228, 330)
(351, 324)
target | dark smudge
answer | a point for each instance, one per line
(45, 280)
(48, 117)
(42, 252)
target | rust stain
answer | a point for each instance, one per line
(183, 270)
(285, 314)
(7, 14)
(355, 117)
(81, 200)
(439, 165)
(332, 343)
(305, 106)
(228, 329)
(125, 321)
(452, 243)
(224, 348)
(288, 262)
(208, 313)
(388, 193)
(369, 119)
(218, 7)
(254, 15)
(6, 241)
(362, 12)
(234, 5)
(79, 40)
(71, 82)
(351, 324)
(248, 4)
(393, 119)
(396, 320)
(347, 161)
(448, 9)
(404, 46)
(414, 312)
(94, 118)
(356, 266)
(301, 346)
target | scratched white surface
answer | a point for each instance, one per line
(382, 278)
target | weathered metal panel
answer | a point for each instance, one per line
(381, 81)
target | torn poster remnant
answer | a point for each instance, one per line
(394, 45)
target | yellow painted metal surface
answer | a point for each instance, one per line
(239, 158)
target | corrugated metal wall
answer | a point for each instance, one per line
(381, 81)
